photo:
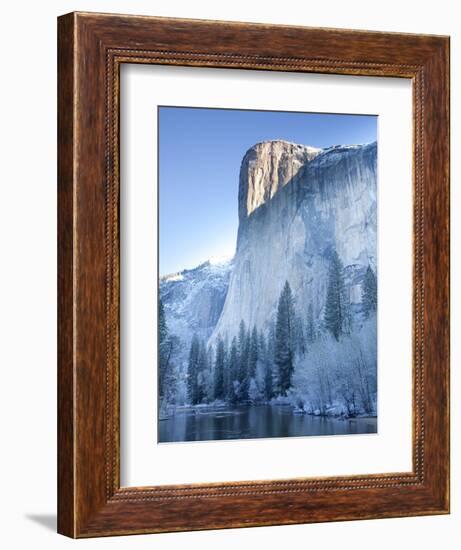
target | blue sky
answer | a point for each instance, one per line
(200, 151)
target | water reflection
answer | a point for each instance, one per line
(250, 422)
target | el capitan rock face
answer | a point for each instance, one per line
(296, 205)
(266, 168)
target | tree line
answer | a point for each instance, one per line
(254, 366)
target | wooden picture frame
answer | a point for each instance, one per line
(92, 48)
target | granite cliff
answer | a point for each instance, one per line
(296, 205)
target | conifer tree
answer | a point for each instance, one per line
(164, 348)
(369, 292)
(268, 381)
(233, 369)
(299, 341)
(262, 348)
(268, 373)
(335, 296)
(192, 371)
(311, 335)
(244, 349)
(210, 375)
(253, 353)
(226, 373)
(167, 374)
(284, 340)
(202, 368)
(162, 326)
(270, 344)
(171, 379)
(346, 327)
(219, 370)
(270, 365)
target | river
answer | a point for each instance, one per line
(250, 422)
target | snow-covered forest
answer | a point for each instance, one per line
(323, 366)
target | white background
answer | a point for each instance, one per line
(28, 274)
(142, 89)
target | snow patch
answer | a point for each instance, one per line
(175, 277)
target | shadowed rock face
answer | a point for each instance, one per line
(193, 299)
(296, 205)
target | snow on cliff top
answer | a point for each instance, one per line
(309, 148)
(335, 153)
(214, 264)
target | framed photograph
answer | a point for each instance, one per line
(253, 275)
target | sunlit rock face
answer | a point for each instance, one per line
(296, 205)
(266, 168)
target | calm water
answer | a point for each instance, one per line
(249, 422)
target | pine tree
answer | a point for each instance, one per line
(202, 372)
(369, 292)
(171, 379)
(192, 371)
(210, 375)
(253, 353)
(267, 363)
(226, 374)
(242, 368)
(162, 326)
(219, 370)
(299, 341)
(262, 348)
(311, 334)
(268, 381)
(167, 344)
(335, 296)
(244, 349)
(163, 348)
(284, 339)
(232, 370)
(346, 327)
(270, 343)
